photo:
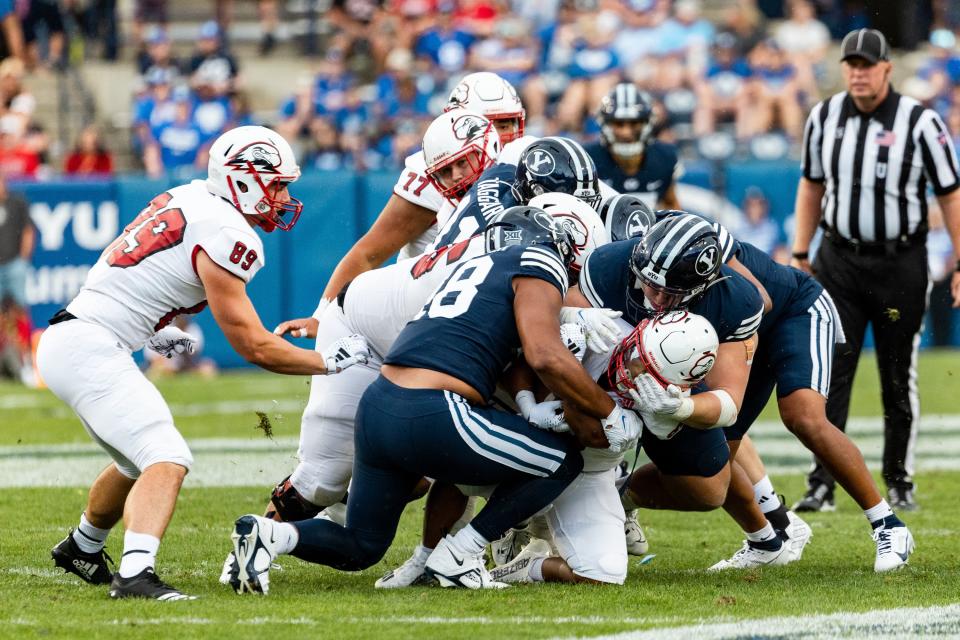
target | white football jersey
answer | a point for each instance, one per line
(380, 302)
(596, 365)
(148, 276)
(414, 187)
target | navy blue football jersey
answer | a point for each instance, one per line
(658, 171)
(467, 329)
(731, 304)
(489, 195)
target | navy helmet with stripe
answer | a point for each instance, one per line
(523, 225)
(626, 216)
(557, 165)
(676, 260)
(626, 103)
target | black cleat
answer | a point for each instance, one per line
(901, 498)
(92, 567)
(819, 497)
(145, 584)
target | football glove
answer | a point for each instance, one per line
(622, 428)
(574, 337)
(171, 340)
(549, 417)
(652, 397)
(346, 352)
(601, 331)
(663, 427)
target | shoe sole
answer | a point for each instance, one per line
(243, 529)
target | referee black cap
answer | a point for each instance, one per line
(868, 44)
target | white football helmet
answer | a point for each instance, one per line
(677, 347)
(454, 135)
(578, 219)
(247, 166)
(493, 97)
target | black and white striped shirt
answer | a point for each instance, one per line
(876, 167)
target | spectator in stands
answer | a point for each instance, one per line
(593, 70)
(17, 241)
(18, 160)
(480, 17)
(324, 152)
(941, 69)
(90, 156)
(11, 32)
(772, 95)
(211, 60)
(640, 20)
(688, 34)
(158, 54)
(332, 82)
(746, 23)
(298, 113)
(148, 12)
(941, 264)
(400, 93)
(720, 90)
(212, 109)
(154, 109)
(756, 227)
(44, 18)
(805, 40)
(178, 146)
(267, 15)
(15, 353)
(352, 21)
(98, 22)
(444, 44)
(509, 52)
(15, 100)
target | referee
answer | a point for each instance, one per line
(869, 155)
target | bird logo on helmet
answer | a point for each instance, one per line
(468, 126)
(578, 219)
(259, 157)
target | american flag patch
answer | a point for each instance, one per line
(942, 139)
(886, 138)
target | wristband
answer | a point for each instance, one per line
(801, 255)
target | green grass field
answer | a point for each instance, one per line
(835, 574)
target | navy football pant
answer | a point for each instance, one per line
(404, 434)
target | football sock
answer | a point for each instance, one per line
(536, 569)
(139, 553)
(89, 538)
(627, 501)
(421, 554)
(765, 495)
(778, 518)
(468, 541)
(286, 537)
(765, 535)
(878, 512)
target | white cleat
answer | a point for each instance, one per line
(509, 546)
(410, 573)
(637, 544)
(230, 575)
(894, 546)
(254, 548)
(750, 557)
(518, 569)
(798, 536)
(451, 569)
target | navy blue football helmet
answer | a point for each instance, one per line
(626, 216)
(552, 165)
(523, 225)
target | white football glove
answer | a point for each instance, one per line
(652, 397)
(663, 427)
(574, 336)
(171, 340)
(346, 352)
(598, 324)
(549, 417)
(622, 428)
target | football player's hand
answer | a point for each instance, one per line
(548, 416)
(663, 427)
(346, 352)
(622, 428)
(171, 340)
(299, 328)
(598, 325)
(575, 338)
(650, 396)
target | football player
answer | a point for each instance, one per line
(427, 414)
(191, 246)
(627, 156)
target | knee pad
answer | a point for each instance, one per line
(287, 505)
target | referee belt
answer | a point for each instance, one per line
(887, 247)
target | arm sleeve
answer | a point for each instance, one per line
(939, 155)
(811, 160)
(542, 263)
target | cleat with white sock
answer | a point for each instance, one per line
(798, 535)
(518, 569)
(410, 573)
(894, 546)
(255, 547)
(453, 569)
(637, 544)
(749, 557)
(509, 546)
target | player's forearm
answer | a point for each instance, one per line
(275, 354)
(569, 381)
(353, 264)
(808, 213)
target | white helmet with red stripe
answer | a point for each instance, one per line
(249, 167)
(579, 219)
(491, 96)
(458, 146)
